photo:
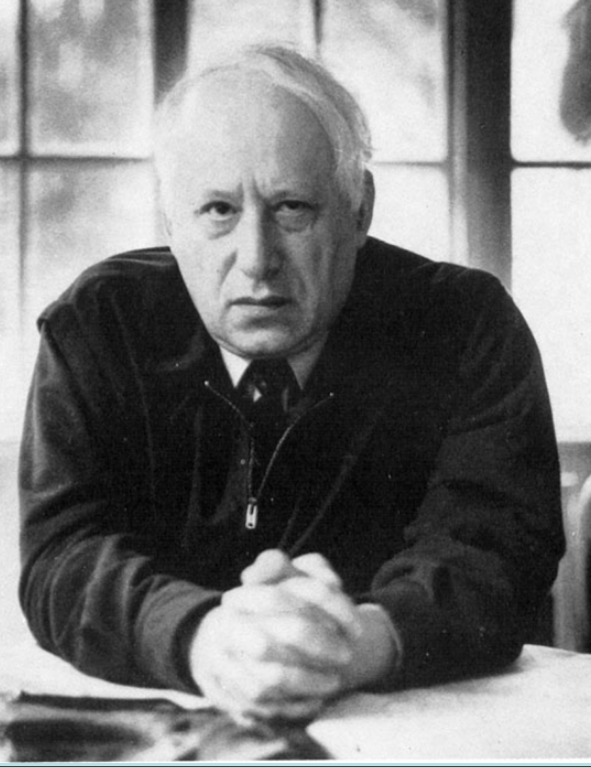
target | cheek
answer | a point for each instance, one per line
(203, 280)
(323, 282)
(313, 257)
(204, 290)
(331, 267)
(199, 274)
(196, 263)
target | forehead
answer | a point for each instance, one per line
(243, 125)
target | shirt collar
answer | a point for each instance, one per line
(301, 364)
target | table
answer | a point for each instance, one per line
(539, 709)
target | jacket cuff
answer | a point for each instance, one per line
(419, 631)
(165, 636)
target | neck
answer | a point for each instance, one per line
(302, 363)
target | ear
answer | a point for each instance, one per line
(365, 212)
(166, 224)
(164, 220)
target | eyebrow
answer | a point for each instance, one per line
(285, 191)
(210, 192)
(298, 189)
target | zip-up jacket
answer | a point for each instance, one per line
(421, 461)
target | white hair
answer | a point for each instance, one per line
(331, 103)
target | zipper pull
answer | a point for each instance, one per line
(252, 513)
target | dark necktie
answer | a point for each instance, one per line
(269, 388)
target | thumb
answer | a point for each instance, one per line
(270, 567)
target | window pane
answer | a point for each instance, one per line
(551, 89)
(79, 216)
(11, 400)
(91, 78)
(552, 284)
(391, 55)
(227, 24)
(9, 77)
(9, 237)
(412, 210)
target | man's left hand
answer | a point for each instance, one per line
(287, 640)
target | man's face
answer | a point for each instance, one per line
(265, 242)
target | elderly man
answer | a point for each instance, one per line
(281, 459)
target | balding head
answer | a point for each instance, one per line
(331, 104)
(263, 227)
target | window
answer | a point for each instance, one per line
(551, 196)
(479, 111)
(392, 56)
(481, 118)
(75, 141)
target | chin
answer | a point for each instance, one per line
(264, 346)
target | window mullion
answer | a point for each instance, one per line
(22, 156)
(483, 42)
(457, 165)
(171, 25)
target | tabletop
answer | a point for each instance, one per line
(538, 709)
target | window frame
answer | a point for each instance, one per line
(479, 163)
(169, 24)
(480, 152)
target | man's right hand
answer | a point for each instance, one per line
(279, 645)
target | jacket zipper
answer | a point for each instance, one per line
(252, 507)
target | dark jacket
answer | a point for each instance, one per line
(422, 464)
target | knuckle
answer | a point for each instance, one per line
(274, 676)
(295, 630)
(255, 689)
(232, 597)
(254, 643)
(315, 563)
(312, 559)
(309, 590)
(263, 682)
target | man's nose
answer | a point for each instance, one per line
(258, 255)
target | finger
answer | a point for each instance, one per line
(329, 601)
(262, 598)
(246, 710)
(303, 595)
(292, 709)
(214, 682)
(255, 691)
(244, 686)
(274, 601)
(315, 564)
(278, 709)
(291, 640)
(238, 684)
(263, 682)
(288, 638)
(218, 689)
(290, 595)
(270, 567)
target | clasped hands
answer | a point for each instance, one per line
(287, 640)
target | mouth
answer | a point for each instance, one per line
(268, 302)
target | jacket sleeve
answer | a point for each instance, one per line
(483, 551)
(94, 590)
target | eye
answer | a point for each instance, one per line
(217, 210)
(295, 215)
(293, 207)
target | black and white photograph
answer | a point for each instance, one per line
(295, 364)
